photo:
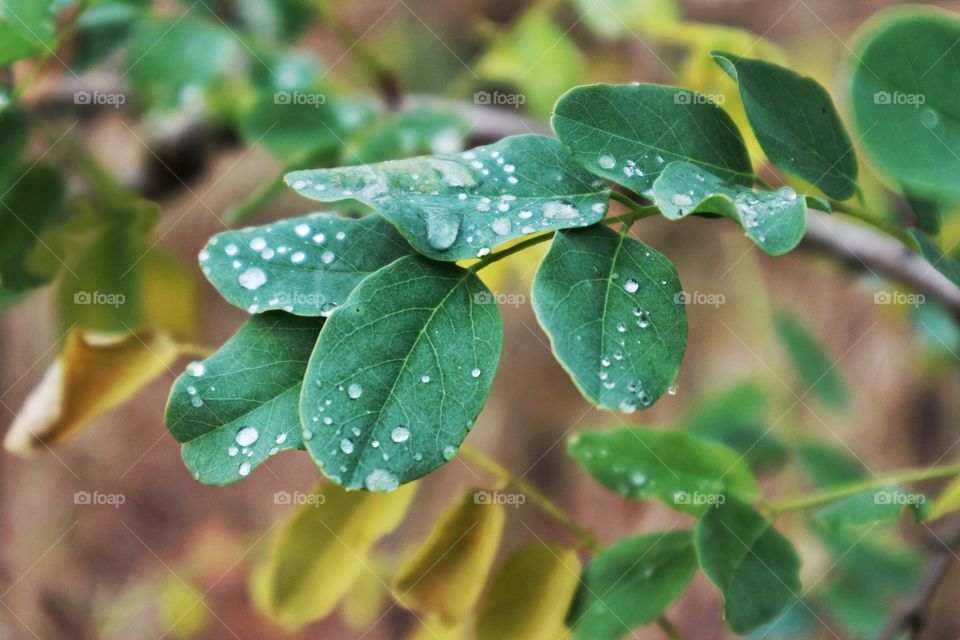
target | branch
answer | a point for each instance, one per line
(911, 618)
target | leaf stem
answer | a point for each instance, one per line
(831, 495)
(874, 221)
(547, 505)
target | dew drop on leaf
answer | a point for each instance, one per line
(354, 391)
(400, 434)
(247, 436)
(381, 480)
(252, 278)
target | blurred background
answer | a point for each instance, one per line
(131, 102)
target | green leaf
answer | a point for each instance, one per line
(776, 221)
(536, 56)
(292, 123)
(26, 28)
(927, 213)
(737, 417)
(167, 55)
(306, 266)
(28, 207)
(322, 549)
(630, 133)
(530, 594)
(240, 406)
(755, 568)
(827, 466)
(796, 123)
(411, 133)
(870, 507)
(399, 374)
(904, 103)
(815, 368)
(611, 307)
(447, 573)
(933, 254)
(631, 583)
(452, 207)
(680, 470)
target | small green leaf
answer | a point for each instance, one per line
(737, 417)
(399, 374)
(239, 406)
(292, 123)
(870, 507)
(933, 254)
(796, 123)
(828, 466)
(755, 568)
(613, 310)
(306, 266)
(814, 366)
(927, 213)
(630, 133)
(447, 573)
(776, 221)
(412, 133)
(452, 207)
(530, 594)
(27, 27)
(904, 103)
(678, 469)
(631, 583)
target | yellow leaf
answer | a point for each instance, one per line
(363, 603)
(93, 374)
(169, 295)
(447, 574)
(433, 627)
(323, 550)
(947, 502)
(181, 610)
(530, 594)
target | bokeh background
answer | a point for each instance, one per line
(71, 570)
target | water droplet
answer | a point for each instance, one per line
(475, 373)
(681, 200)
(297, 257)
(631, 286)
(247, 436)
(230, 249)
(787, 193)
(346, 445)
(400, 434)
(628, 406)
(354, 391)
(449, 452)
(302, 230)
(607, 162)
(381, 480)
(232, 451)
(327, 257)
(424, 379)
(673, 389)
(258, 244)
(442, 230)
(501, 226)
(244, 469)
(281, 438)
(252, 278)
